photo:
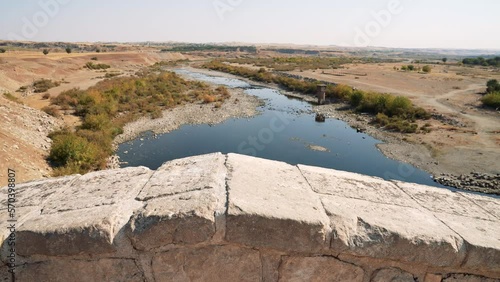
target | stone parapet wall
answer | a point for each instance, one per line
(237, 218)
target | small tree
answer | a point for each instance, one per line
(68, 50)
(2, 50)
(445, 60)
(411, 67)
(493, 86)
(45, 51)
(427, 69)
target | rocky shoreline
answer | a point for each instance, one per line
(475, 182)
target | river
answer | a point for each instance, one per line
(285, 130)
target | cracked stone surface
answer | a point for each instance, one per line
(237, 218)
(182, 200)
(386, 231)
(278, 210)
(445, 201)
(37, 192)
(99, 189)
(186, 175)
(356, 186)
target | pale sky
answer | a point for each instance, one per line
(387, 23)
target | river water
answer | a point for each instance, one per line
(285, 130)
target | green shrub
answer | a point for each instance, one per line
(427, 69)
(493, 86)
(492, 100)
(45, 51)
(70, 149)
(2, 50)
(356, 98)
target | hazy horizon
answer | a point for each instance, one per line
(381, 23)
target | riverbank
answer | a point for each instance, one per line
(239, 105)
(408, 148)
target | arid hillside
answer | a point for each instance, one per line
(23, 126)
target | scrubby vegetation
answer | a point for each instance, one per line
(92, 66)
(45, 51)
(2, 50)
(214, 48)
(300, 63)
(12, 98)
(106, 107)
(480, 61)
(52, 110)
(399, 111)
(492, 97)
(427, 69)
(493, 86)
(43, 85)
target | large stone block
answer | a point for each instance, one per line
(352, 185)
(81, 270)
(215, 263)
(89, 231)
(99, 189)
(271, 205)
(392, 232)
(186, 218)
(482, 240)
(439, 200)
(320, 269)
(186, 175)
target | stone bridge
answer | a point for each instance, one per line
(237, 218)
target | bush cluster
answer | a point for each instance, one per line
(92, 66)
(106, 107)
(400, 110)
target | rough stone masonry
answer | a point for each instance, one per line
(236, 218)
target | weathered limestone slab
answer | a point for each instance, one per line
(88, 231)
(298, 269)
(271, 205)
(187, 218)
(214, 263)
(37, 192)
(444, 201)
(392, 232)
(482, 239)
(183, 199)
(186, 175)
(99, 189)
(81, 270)
(490, 204)
(392, 275)
(356, 186)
